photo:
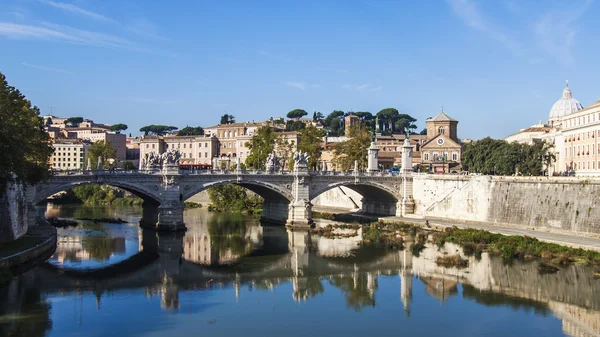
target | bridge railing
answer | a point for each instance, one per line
(224, 172)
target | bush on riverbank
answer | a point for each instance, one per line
(233, 198)
(190, 204)
(451, 261)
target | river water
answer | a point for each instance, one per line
(230, 276)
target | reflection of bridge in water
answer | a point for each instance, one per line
(168, 264)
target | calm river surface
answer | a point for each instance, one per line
(230, 276)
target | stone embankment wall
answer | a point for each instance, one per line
(13, 213)
(569, 204)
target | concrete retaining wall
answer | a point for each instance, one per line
(569, 204)
(13, 213)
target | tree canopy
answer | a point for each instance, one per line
(157, 130)
(310, 142)
(334, 122)
(73, 121)
(118, 127)
(102, 149)
(293, 125)
(261, 144)
(191, 131)
(297, 113)
(227, 119)
(497, 157)
(391, 120)
(24, 146)
(354, 149)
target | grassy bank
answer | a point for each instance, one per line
(476, 241)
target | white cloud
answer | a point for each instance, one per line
(555, 32)
(144, 27)
(362, 87)
(297, 85)
(77, 10)
(262, 52)
(35, 66)
(471, 15)
(49, 31)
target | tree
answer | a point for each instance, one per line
(387, 117)
(296, 113)
(102, 149)
(404, 121)
(24, 146)
(128, 165)
(191, 131)
(73, 121)
(310, 142)
(227, 119)
(117, 128)
(423, 132)
(335, 123)
(317, 116)
(292, 125)
(157, 130)
(284, 150)
(261, 144)
(354, 149)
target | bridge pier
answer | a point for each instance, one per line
(380, 206)
(300, 209)
(275, 211)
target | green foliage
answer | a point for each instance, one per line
(128, 165)
(117, 128)
(24, 146)
(261, 144)
(227, 119)
(103, 195)
(345, 153)
(191, 131)
(296, 113)
(102, 149)
(391, 120)
(293, 125)
(73, 121)
(191, 204)
(335, 123)
(233, 198)
(497, 157)
(317, 116)
(285, 151)
(157, 130)
(423, 132)
(310, 142)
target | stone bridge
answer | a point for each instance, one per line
(287, 195)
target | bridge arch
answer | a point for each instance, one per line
(266, 190)
(42, 193)
(377, 198)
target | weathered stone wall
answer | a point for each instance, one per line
(569, 204)
(13, 213)
(339, 197)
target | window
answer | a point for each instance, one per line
(190, 155)
(440, 131)
(205, 144)
(184, 155)
(152, 146)
(426, 156)
(184, 145)
(205, 154)
(454, 156)
(147, 145)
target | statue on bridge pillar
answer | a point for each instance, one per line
(273, 163)
(301, 161)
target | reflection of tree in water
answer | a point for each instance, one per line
(355, 289)
(31, 318)
(99, 247)
(228, 233)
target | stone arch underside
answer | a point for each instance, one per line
(377, 198)
(267, 191)
(137, 190)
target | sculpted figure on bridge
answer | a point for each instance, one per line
(301, 159)
(273, 163)
(171, 157)
(151, 160)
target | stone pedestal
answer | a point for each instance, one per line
(300, 215)
(170, 169)
(406, 157)
(373, 158)
(170, 218)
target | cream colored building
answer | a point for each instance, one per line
(95, 134)
(574, 132)
(69, 154)
(197, 150)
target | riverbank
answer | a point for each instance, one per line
(38, 244)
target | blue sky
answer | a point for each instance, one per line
(496, 66)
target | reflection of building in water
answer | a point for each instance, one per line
(199, 247)
(519, 279)
(576, 321)
(77, 248)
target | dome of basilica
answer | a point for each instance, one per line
(566, 105)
